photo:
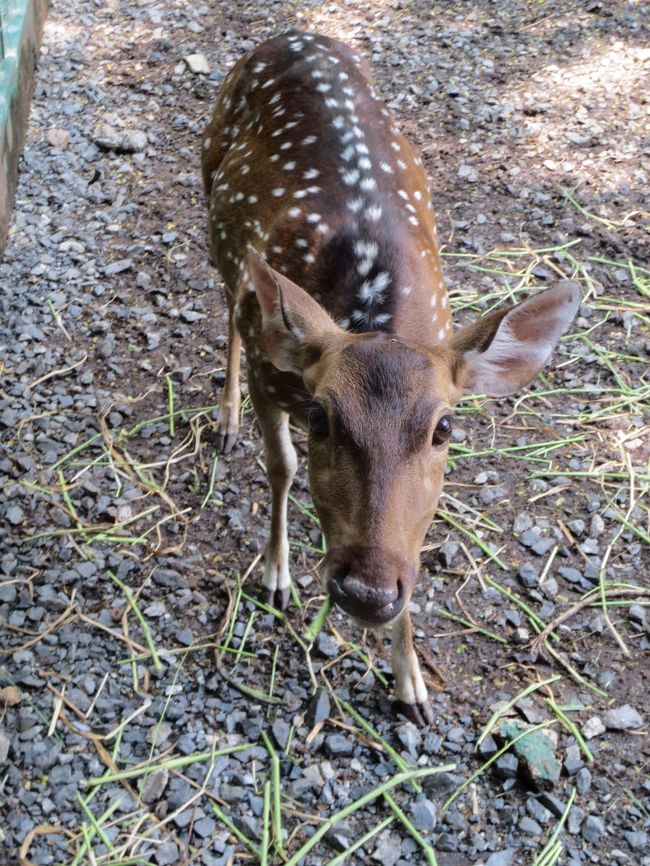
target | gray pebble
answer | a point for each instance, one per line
(327, 645)
(583, 781)
(388, 849)
(14, 515)
(338, 746)
(7, 592)
(529, 574)
(423, 815)
(593, 727)
(506, 766)
(118, 267)
(501, 858)
(637, 840)
(530, 826)
(205, 827)
(573, 761)
(592, 829)
(167, 854)
(623, 718)
(410, 737)
(319, 708)
(4, 747)
(281, 731)
(153, 785)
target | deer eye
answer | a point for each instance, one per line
(443, 430)
(318, 424)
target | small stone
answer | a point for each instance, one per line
(573, 761)
(327, 645)
(57, 137)
(488, 747)
(637, 614)
(538, 811)
(542, 546)
(155, 610)
(118, 267)
(205, 827)
(281, 731)
(570, 574)
(410, 737)
(530, 826)
(4, 748)
(577, 526)
(592, 829)
(597, 526)
(198, 64)
(120, 140)
(636, 839)
(14, 515)
(159, 733)
(319, 708)
(8, 593)
(506, 766)
(501, 858)
(577, 138)
(468, 173)
(167, 854)
(553, 804)
(575, 820)
(623, 718)
(337, 746)
(388, 850)
(423, 815)
(522, 522)
(153, 785)
(593, 727)
(583, 780)
(529, 574)
(340, 837)
(447, 552)
(249, 825)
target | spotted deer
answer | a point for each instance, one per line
(322, 226)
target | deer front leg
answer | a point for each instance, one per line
(281, 465)
(229, 401)
(411, 695)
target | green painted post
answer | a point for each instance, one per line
(21, 23)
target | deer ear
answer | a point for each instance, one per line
(294, 325)
(505, 350)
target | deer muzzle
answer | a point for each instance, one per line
(372, 585)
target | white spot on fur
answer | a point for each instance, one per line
(350, 177)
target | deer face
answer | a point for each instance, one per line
(379, 424)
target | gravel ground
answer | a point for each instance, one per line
(129, 551)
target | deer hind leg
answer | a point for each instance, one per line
(411, 695)
(281, 465)
(230, 399)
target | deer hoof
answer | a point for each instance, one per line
(226, 438)
(420, 714)
(278, 598)
(227, 425)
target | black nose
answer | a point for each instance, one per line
(370, 594)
